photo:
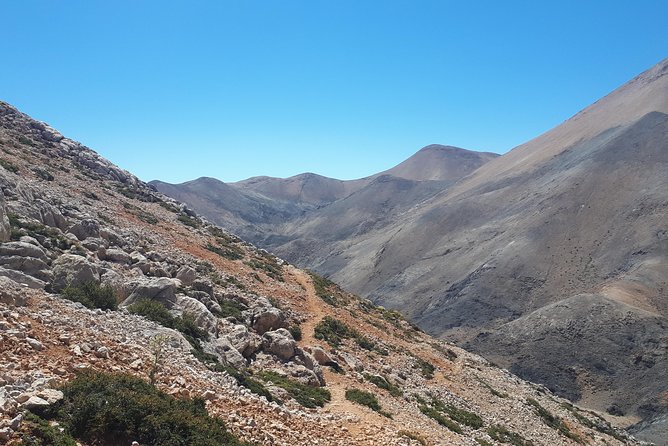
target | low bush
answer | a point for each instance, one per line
(92, 295)
(426, 368)
(413, 436)
(441, 419)
(156, 312)
(333, 331)
(104, 408)
(244, 379)
(553, 421)
(189, 221)
(367, 399)
(307, 396)
(296, 332)
(36, 431)
(503, 435)
(225, 252)
(9, 166)
(381, 382)
(231, 308)
(457, 414)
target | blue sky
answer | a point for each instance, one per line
(174, 90)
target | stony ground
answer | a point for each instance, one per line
(69, 217)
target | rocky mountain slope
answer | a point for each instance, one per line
(551, 259)
(100, 272)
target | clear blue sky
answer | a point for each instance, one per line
(180, 89)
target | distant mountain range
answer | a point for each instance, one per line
(551, 260)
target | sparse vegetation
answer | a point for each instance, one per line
(296, 332)
(381, 382)
(367, 399)
(553, 421)
(227, 251)
(231, 308)
(413, 436)
(43, 174)
(323, 289)
(26, 141)
(440, 419)
(426, 368)
(156, 312)
(105, 408)
(244, 379)
(37, 230)
(267, 265)
(503, 435)
(189, 221)
(8, 165)
(305, 395)
(333, 331)
(92, 295)
(36, 431)
(600, 424)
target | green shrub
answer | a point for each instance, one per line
(367, 399)
(231, 308)
(305, 395)
(440, 419)
(271, 269)
(244, 379)
(92, 295)
(553, 421)
(189, 221)
(503, 435)
(104, 408)
(381, 382)
(154, 311)
(333, 331)
(225, 252)
(323, 289)
(483, 442)
(413, 436)
(296, 332)
(36, 431)
(426, 368)
(36, 229)
(9, 166)
(43, 174)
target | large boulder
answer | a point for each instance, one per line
(162, 289)
(23, 249)
(186, 275)
(71, 269)
(22, 278)
(244, 341)
(115, 255)
(266, 319)
(5, 228)
(28, 265)
(279, 343)
(47, 214)
(203, 317)
(86, 228)
(226, 352)
(11, 293)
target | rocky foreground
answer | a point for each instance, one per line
(283, 357)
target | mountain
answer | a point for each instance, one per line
(125, 316)
(551, 260)
(255, 208)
